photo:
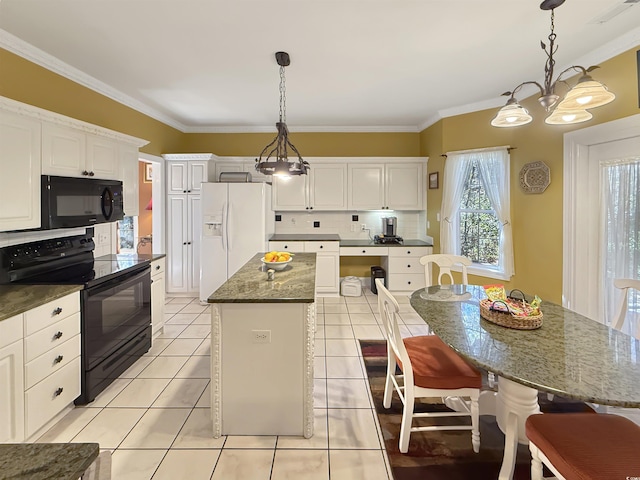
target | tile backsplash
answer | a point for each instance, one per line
(410, 224)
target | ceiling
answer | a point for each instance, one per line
(356, 65)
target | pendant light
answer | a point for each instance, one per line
(277, 161)
(587, 93)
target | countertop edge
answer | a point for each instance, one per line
(28, 297)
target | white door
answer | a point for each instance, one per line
(177, 258)
(290, 193)
(366, 187)
(102, 157)
(12, 393)
(197, 175)
(177, 177)
(327, 268)
(246, 224)
(193, 242)
(328, 187)
(404, 186)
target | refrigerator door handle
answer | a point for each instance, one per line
(229, 232)
(224, 227)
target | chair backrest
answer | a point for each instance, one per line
(389, 309)
(623, 284)
(444, 262)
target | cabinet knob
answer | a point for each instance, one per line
(310, 208)
(184, 243)
(58, 392)
(85, 173)
(321, 246)
(408, 252)
(57, 335)
(57, 311)
(364, 251)
(286, 246)
(409, 283)
(157, 267)
(188, 243)
(184, 191)
(91, 174)
(408, 266)
(188, 191)
(58, 359)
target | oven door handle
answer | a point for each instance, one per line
(122, 281)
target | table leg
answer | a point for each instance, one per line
(515, 402)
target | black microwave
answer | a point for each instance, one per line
(68, 202)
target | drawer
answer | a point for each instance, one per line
(405, 265)
(10, 330)
(51, 361)
(51, 396)
(44, 315)
(364, 251)
(319, 247)
(409, 251)
(51, 336)
(287, 246)
(405, 282)
(157, 267)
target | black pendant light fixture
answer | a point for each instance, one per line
(586, 94)
(277, 161)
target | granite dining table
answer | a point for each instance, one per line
(569, 355)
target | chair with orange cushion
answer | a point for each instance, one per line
(584, 446)
(430, 368)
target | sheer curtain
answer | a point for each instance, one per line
(620, 245)
(456, 171)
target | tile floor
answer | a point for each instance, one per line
(156, 417)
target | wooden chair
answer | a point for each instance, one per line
(584, 446)
(444, 262)
(624, 284)
(429, 369)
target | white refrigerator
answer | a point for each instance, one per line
(237, 223)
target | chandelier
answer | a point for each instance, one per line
(586, 94)
(277, 161)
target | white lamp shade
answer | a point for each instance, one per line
(561, 116)
(586, 94)
(511, 115)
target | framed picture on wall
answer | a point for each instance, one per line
(433, 180)
(148, 169)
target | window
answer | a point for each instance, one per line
(127, 233)
(475, 211)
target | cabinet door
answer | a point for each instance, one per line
(290, 193)
(256, 176)
(366, 187)
(177, 177)
(64, 151)
(404, 186)
(157, 296)
(129, 176)
(178, 230)
(193, 241)
(20, 166)
(327, 273)
(12, 393)
(102, 157)
(198, 173)
(227, 167)
(328, 187)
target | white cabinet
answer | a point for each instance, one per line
(323, 189)
(20, 160)
(12, 386)
(157, 296)
(183, 253)
(102, 157)
(404, 272)
(128, 163)
(186, 177)
(394, 186)
(240, 164)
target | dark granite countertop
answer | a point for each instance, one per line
(46, 461)
(369, 243)
(17, 299)
(295, 284)
(305, 237)
(132, 257)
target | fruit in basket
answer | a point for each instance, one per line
(274, 256)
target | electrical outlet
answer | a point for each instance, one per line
(261, 336)
(363, 227)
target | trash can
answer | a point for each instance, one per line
(377, 272)
(351, 287)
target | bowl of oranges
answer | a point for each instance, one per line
(277, 260)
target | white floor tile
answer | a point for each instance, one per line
(109, 393)
(181, 319)
(319, 347)
(419, 329)
(196, 331)
(110, 426)
(159, 344)
(69, 426)
(296, 464)
(352, 428)
(196, 367)
(336, 319)
(187, 464)
(341, 347)
(368, 332)
(163, 367)
(182, 393)
(344, 367)
(182, 346)
(134, 370)
(317, 441)
(141, 392)
(250, 441)
(195, 308)
(205, 398)
(335, 308)
(359, 308)
(406, 308)
(204, 348)
(173, 307)
(338, 331)
(319, 369)
(320, 393)
(357, 465)
(203, 319)
(179, 300)
(412, 319)
(363, 319)
(319, 333)
(352, 300)
(197, 432)
(171, 330)
(333, 300)
(243, 465)
(157, 428)
(347, 393)
(135, 464)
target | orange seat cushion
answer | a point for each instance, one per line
(436, 365)
(584, 446)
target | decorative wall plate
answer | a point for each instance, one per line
(535, 177)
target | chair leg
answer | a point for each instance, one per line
(388, 385)
(407, 417)
(491, 379)
(536, 463)
(475, 424)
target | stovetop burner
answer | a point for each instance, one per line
(386, 239)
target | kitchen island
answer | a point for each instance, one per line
(262, 347)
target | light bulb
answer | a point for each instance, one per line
(585, 99)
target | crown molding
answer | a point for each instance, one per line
(305, 129)
(189, 157)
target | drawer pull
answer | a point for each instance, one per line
(58, 359)
(58, 392)
(408, 283)
(157, 267)
(57, 311)
(321, 246)
(364, 251)
(286, 246)
(408, 266)
(57, 336)
(408, 252)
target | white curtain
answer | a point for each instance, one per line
(494, 172)
(456, 171)
(620, 246)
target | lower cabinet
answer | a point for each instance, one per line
(157, 296)
(404, 271)
(12, 387)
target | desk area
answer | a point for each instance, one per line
(570, 355)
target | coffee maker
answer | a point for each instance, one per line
(388, 234)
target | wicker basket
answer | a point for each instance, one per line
(505, 319)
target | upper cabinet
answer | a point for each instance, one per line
(128, 164)
(324, 188)
(185, 172)
(240, 164)
(20, 167)
(392, 186)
